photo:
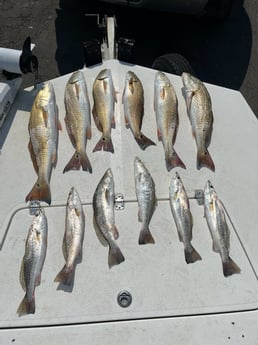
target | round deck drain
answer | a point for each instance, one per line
(124, 298)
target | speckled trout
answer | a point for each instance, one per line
(104, 96)
(73, 237)
(33, 261)
(133, 101)
(78, 120)
(166, 109)
(104, 217)
(200, 113)
(216, 220)
(182, 215)
(43, 130)
(147, 201)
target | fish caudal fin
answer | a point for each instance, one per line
(40, 191)
(26, 306)
(204, 160)
(115, 256)
(65, 276)
(104, 144)
(191, 255)
(173, 161)
(230, 267)
(145, 237)
(144, 141)
(77, 161)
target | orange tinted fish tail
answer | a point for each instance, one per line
(104, 144)
(144, 141)
(40, 191)
(204, 160)
(174, 161)
(77, 161)
(26, 306)
(115, 256)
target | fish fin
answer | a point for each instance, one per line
(215, 247)
(33, 157)
(65, 276)
(144, 141)
(191, 255)
(40, 191)
(115, 256)
(59, 125)
(26, 306)
(88, 133)
(230, 267)
(173, 161)
(145, 237)
(189, 97)
(162, 93)
(104, 143)
(38, 280)
(127, 123)
(22, 278)
(204, 160)
(54, 159)
(115, 232)
(139, 215)
(159, 135)
(77, 91)
(77, 161)
(45, 116)
(113, 122)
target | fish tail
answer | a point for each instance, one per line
(26, 306)
(230, 267)
(77, 161)
(115, 256)
(145, 236)
(40, 191)
(173, 161)
(204, 160)
(144, 141)
(191, 255)
(65, 276)
(105, 144)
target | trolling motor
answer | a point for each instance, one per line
(14, 63)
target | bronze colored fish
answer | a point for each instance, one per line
(200, 113)
(78, 120)
(104, 97)
(133, 101)
(43, 130)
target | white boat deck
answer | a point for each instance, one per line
(168, 296)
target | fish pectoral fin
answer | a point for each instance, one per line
(77, 91)
(45, 116)
(113, 122)
(159, 134)
(131, 86)
(215, 247)
(162, 93)
(189, 97)
(88, 133)
(96, 119)
(59, 125)
(38, 280)
(115, 232)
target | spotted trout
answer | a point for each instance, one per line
(104, 96)
(216, 220)
(166, 109)
(33, 261)
(78, 121)
(104, 217)
(43, 130)
(182, 215)
(133, 101)
(146, 197)
(200, 113)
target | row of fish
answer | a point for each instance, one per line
(44, 124)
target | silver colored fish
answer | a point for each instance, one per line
(78, 120)
(43, 130)
(216, 220)
(182, 215)
(133, 101)
(73, 237)
(166, 109)
(147, 201)
(104, 96)
(104, 217)
(199, 108)
(33, 261)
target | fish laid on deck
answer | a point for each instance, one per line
(200, 113)
(216, 220)
(104, 217)
(43, 130)
(133, 101)
(182, 215)
(78, 120)
(73, 237)
(33, 261)
(104, 96)
(147, 201)
(166, 109)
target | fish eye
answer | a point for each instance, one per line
(103, 139)
(206, 152)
